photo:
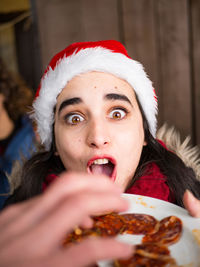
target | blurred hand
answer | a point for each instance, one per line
(32, 232)
(192, 204)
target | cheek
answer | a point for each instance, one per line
(67, 144)
(131, 148)
(131, 145)
(131, 138)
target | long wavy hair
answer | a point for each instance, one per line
(179, 176)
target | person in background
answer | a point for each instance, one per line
(16, 130)
(17, 137)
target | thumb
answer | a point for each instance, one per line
(192, 204)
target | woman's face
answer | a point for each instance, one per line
(99, 127)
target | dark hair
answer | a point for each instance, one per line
(179, 176)
(18, 96)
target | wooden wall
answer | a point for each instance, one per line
(162, 34)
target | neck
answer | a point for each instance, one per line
(6, 125)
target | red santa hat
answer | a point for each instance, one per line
(108, 56)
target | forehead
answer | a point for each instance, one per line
(96, 84)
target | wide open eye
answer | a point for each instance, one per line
(117, 114)
(74, 119)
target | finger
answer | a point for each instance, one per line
(191, 204)
(71, 214)
(11, 218)
(31, 212)
(9, 213)
(87, 222)
(64, 186)
(90, 251)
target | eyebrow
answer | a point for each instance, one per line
(118, 97)
(78, 100)
(68, 102)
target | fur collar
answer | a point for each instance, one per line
(189, 154)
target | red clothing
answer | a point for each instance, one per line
(48, 180)
(151, 184)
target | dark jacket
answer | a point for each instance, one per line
(4, 188)
(22, 145)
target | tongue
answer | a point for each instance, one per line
(105, 169)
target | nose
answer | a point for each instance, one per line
(98, 135)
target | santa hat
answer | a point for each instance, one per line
(108, 56)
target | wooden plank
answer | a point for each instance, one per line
(31, 72)
(195, 16)
(140, 37)
(174, 63)
(58, 21)
(62, 22)
(100, 19)
(8, 49)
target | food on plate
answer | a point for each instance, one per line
(113, 224)
(106, 225)
(147, 255)
(169, 232)
(157, 236)
(136, 223)
(109, 225)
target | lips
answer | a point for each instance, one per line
(102, 165)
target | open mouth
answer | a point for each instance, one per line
(102, 166)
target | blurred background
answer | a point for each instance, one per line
(164, 35)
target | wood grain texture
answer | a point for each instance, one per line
(140, 33)
(63, 22)
(195, 54)
(174, 62)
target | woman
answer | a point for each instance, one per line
(96, 113)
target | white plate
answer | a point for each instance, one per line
(186, 251)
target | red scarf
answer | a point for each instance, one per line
(152, 184)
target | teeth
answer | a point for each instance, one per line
(101, 161)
